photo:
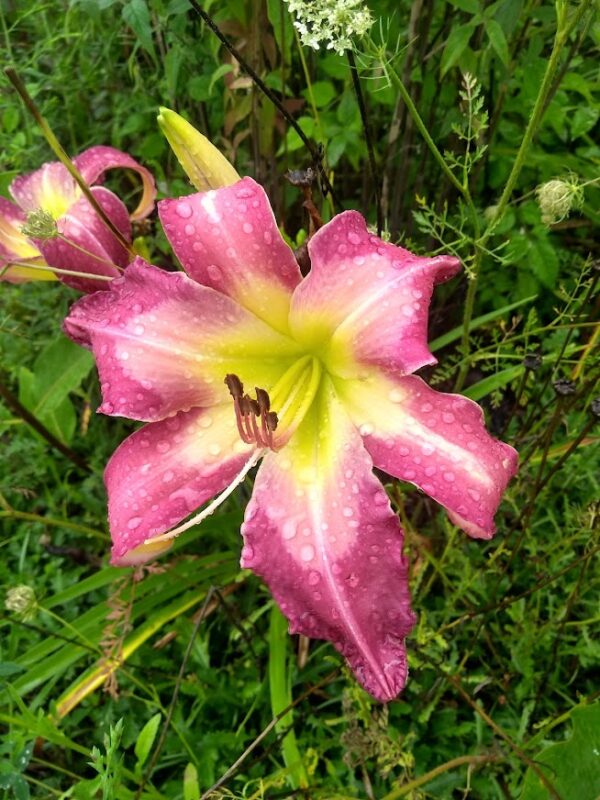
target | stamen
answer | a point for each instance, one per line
(248, 411)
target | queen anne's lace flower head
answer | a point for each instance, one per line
(331, 23)
(558, 197)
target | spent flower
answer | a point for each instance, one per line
(332, 23)
(558, 197)
(21, 600)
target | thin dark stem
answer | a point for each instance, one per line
(234, 767)
(368, 138)
(26, 415)
(188, 651)
(316, 156)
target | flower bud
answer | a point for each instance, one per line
(205, 166)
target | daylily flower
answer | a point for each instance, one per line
(328, 359)
(18, 256)
(92, 247)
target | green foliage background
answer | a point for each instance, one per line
(503, 656)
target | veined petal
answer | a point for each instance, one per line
(164, 472)
(50, 188)
(164, 343)
(96, 161)
(319, 529)
(94, 249)
(366, 301)
(206, 167)
(13, 243)
(436, 441)
(228, 239)
(15, 246)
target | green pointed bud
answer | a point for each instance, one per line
(204, 165)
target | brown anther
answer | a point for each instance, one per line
(235, 386)
(272, 420)
(249, 411)
(263, 399)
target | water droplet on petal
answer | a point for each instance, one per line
(307, 552)
(134, 523)
(184, 210)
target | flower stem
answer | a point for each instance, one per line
(563, 31)
(368, 138)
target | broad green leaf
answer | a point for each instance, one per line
(191, 789)
(455, 46)
(224, 69)
(61, 421)
(572, 766)
(59, 369)
(583, 120)
(493, 382)
(323, 93)
(145, 740)
(470, 6)
(497, 40)
(136, 14)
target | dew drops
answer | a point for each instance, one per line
(163, 446)
(396, 395)
(353, 238)
(347, 511)
(247, 227)
(366, 429)
(307, 552)
(168, 476)
(313, 578)
(289, 529)
(448, 417)
(214, 273)
(134, 523)
(426, 408)
(474, 494)
(214, 449)
(189, 229)
(183, 210)
(449, 477)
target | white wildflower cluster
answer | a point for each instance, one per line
(333, 22)
(558, 197)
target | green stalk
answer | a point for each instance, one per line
(281, 697)
(563, 31)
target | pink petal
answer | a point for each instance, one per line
(94, 162)
(370, 297)
(164, 343)
(50, 188)
(95, 249)
(319, 529)
(436, 441)
(14, 246)
(165, 471)
(228, 239)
